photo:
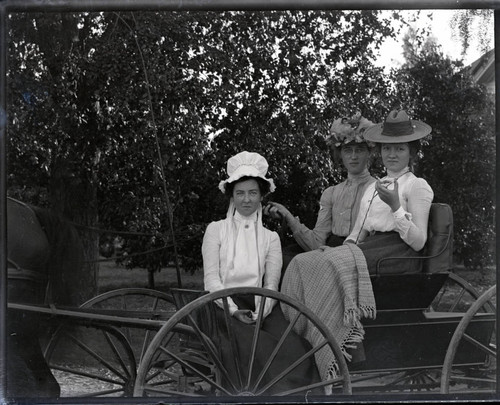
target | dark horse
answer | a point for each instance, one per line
(44, 252)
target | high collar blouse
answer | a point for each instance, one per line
(218, 267)
(339, 207)
(410, 220)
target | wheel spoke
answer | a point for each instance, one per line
(460, 334)
(276, 350)
(479, 345)
(80, 373)
(193, 369)
(147, 333)
(117, 354)
(295, 364)
(228, 319)
(211, 351)
(457, 300)
(255, 341)
(96, 356)
(457, 378)
(145, 344)
(101, 393)
(197, 366)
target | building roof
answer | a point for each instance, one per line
(483, 69)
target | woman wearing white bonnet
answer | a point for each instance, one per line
(239, 251)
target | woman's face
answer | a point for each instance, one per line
(396, 156)
(355, 157)
(247, 197)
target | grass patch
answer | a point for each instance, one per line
(112, 277)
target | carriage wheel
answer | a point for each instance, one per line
(186, 358)
(455, 377)
(87, 351)
(457, 295)
(137, 303)
(91, 361)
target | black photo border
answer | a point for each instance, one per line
(19, 6)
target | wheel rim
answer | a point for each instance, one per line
(91, 361)
(459, 376)
(184, 359)
(457, 295)
(110, 354)
(136, 303)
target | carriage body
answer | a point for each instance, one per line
(414, 335)
(414, 324)
(417, 314)
(413, 332)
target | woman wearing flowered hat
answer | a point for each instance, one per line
(239, 251)
(339, 204)
(392, 222)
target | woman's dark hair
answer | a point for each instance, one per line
(337, 150)
(264, 186)
(414, 146)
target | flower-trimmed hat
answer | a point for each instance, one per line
(346, 130)
(397, 128)
(246, 164)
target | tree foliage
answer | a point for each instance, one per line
(108, 111)
(127, 105)
(459, 161)
(465, 23)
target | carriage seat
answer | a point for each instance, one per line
(439, 247)
(410, 291)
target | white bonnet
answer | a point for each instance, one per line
(246, 164)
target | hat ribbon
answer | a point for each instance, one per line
(397, 128)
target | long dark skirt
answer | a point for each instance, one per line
(272, 329)
(382, 245)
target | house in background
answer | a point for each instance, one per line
(483, 71)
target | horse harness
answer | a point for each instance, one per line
(15, 272)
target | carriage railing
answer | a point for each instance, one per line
(93, 316)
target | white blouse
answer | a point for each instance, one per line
(339, 206)
(410, 220)
(221, 272)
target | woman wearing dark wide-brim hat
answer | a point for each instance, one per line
(394, 211)
(392, 221)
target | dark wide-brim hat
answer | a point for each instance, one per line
(397, 128)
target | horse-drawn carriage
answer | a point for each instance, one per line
(433, 333)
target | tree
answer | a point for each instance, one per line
(109, 110)
(459, 161)
(464, 23)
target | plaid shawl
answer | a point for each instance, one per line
(335, 284)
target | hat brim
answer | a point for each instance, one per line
(374, 133)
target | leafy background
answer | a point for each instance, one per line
(123, 122)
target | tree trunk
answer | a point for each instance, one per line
(76, 200)
(151, 278)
